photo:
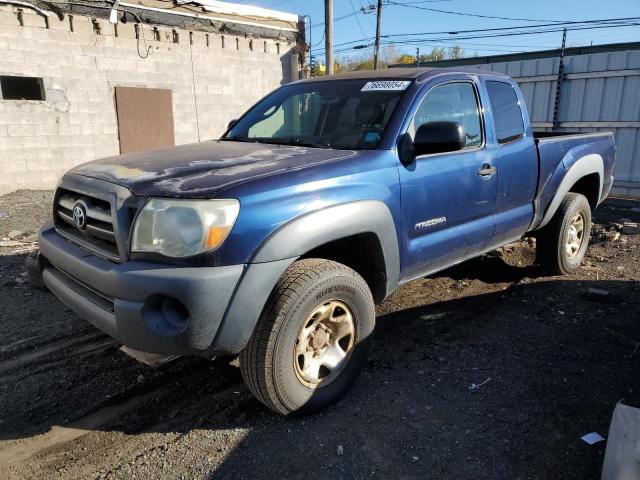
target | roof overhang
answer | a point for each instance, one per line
(258, 13)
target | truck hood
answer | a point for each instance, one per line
(201, 170)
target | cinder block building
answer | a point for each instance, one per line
(83, 80)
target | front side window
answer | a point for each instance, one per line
(452, 102)
(342, 114)
(507, 115)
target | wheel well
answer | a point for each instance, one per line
(589, 186)
(361, 252)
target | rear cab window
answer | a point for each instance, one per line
(507, 114)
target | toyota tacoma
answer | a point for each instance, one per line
(275, 241)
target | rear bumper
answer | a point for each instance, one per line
(146, 306)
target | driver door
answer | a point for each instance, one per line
(448, 198)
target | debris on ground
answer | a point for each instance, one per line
(593, 437)
(11, 243)
(14, 234)
(19, 243)
(631, 228)
(340, 450)
(601, 234)
(30, 238)
(473, 386)
(598, 294)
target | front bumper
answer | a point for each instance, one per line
(146, 306)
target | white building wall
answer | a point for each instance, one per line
(40, 140)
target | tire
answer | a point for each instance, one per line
(559, 250)
(317, 296)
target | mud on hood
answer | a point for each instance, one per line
(200, 170)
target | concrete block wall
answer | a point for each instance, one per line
(40, 140)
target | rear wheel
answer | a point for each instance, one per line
(562, 243)
(312, 338)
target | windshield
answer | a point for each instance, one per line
(342, 114)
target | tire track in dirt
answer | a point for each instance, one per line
(84, 344)
(58, 435)
(187, 412)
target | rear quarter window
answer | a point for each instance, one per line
(507, 115)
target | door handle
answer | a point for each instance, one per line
(487, 170)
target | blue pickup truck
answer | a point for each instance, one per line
(275, 241)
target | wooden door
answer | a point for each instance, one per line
(145, 118)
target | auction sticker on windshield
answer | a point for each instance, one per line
(385, 85)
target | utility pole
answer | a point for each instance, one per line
(377, 45)
(560, 78)
(328, 35)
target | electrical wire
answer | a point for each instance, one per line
(357, 19)
(604, 22)
(420, 41)
(337, 19)
(277, 4)
(534, 32)
(476, 15)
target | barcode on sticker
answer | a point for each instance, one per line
(386, 85)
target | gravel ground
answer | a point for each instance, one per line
(487, 370)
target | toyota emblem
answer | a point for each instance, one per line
(79, 215)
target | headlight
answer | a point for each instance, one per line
(181, 228)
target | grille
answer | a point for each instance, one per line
(98, 233)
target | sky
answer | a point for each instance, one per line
(359, 28)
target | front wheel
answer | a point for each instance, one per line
(563, 242)
(312, 338)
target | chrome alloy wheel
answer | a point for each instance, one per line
(575, 235)
(324, 342)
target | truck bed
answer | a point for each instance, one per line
(557, 152)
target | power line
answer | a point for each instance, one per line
(476, 15)
(364, 10)
(337, 19)
(421, 40)
(535, 32)
(277, 4)
(418, 41)
(357, 19)
(610, 21)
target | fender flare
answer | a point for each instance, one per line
(286, 245)
(311, 230)
(587, 165)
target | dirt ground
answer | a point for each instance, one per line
(484, 371)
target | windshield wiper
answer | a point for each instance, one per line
(238, 138)
(301, 142)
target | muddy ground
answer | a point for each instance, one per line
(548, 363)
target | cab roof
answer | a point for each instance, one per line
(410, 73)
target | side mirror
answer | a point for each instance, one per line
(439, 137)
(232, 123)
